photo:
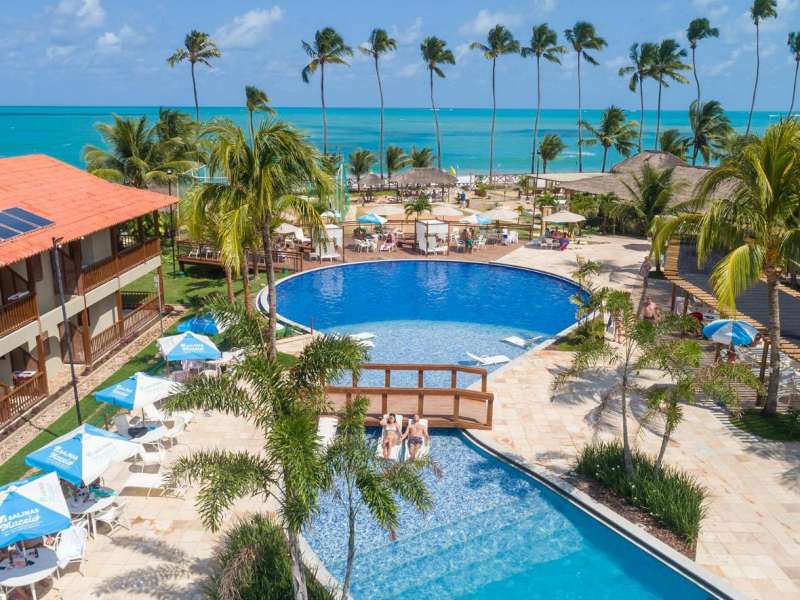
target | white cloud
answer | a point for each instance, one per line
(485, 20)
(712, 8)
(723, 66)
(461, 52)
(109, 42)
(545, 6)
(58, 53)
(615, 63)
(247, 30)
(410, 70)
(410, 34)
(86, 13)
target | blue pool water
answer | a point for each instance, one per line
(494, 532)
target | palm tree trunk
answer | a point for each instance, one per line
(273, 308)
(380, 93)
(194, 89)
(324, 115)
(229, 283)
(695, 150)
(580, 119)
(436, 126)
(252, 129)
(494, 112)
(544, 166)
(663, 449)
(696, 80)
(755, 84)
(774, 330)
(658, 111)
(248, 304)
(351, 550)
(626, 447)
(538, 111)
(605, 155)
(794, 87)
(641, 111)
(298, 577)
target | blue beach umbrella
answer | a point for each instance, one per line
(31, 508)
(188, 346)
(205, 324)
(475, 219)
(730, 331)
(371, 219)
(137, 391)
(83, 454)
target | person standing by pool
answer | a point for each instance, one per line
(466, 235)
(417, 434)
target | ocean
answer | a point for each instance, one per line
(63, 131)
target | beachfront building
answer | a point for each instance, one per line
(109, 252)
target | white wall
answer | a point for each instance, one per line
(101, 315)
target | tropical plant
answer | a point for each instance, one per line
(256, 100)
(435, 54)
(733, 143)
(614, 131)
(583, 37)
(755, 221)
(379, 43)
(421, 204)
(361, 162)
(420, 158)
(284, 404)
(330, 163)
(699, 29)
(362, 479)
(794, 47)
(258, 186)
(396, 160)
(710, 126)
(642, 57)
(544, 44)
(328, 47)
(667, 64)
(672, 141)
(760, 10)
(499, 41)
(197, 48)
(550, 148)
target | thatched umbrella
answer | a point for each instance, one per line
(502, 214)
(371, 180)
(424, 176)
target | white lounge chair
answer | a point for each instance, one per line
(497, 359)
(331, 256)
(148, 458)
(326, 430)
(426, 444)
(361, 337)
(150, 482)
(515, 340)
(394, 453)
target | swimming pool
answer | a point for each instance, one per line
(494, 532)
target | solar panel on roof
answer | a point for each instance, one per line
(15, 223)
(6, 233)
(28, 216)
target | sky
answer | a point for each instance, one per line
(113, 52)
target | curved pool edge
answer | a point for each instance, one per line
(710, 583)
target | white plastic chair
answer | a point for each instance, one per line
(114, 517)
(122, 425)
(70, 547)
(172, 433)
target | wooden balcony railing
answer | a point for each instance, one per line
(22, 398)
(445, 406)
(122, 331)
(198, 253)
(105, 270)
(19, 313)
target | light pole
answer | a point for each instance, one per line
(172, 231)
(67, 337)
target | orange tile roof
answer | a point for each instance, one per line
(77, 202)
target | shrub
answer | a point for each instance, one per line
(252, 563)
(481, 190)
(673, 497)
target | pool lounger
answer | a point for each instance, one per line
(426, 445)
(497, 359)
(515, 340)
(326, 430)
(394, 453)
(361, 337)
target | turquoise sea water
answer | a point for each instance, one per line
(63, 131)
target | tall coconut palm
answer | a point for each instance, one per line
(552, 145)
(667, 65)
(328, 47)
(420, 158)
(379, 43)
(794, 47)
(197, 48)
(710, 127)
(755, 221)
(615, 130)
(544, 44)
(499, 41)
(699, 29)
(435, 54)
(642, 57)
(259, 187)
(672, 141)
(256, 100)
(360, 162)
(760, 10)
(396, 160)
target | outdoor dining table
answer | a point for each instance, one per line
(89, 504)
(40, 568)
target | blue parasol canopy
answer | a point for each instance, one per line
(32, 508)
(730, 331)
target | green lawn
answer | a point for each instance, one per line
(783, 427)
(579, 336)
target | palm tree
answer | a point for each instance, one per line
(760, 10)
(379, 43)
(550, 148)
(614, 130)
(396, 160)
(710, 126)
(667, 64)
(421, 158)
(361, 162)
(284, 404)
(197, 48)
(583, 37)
(328, 48)
(642, 58)
(699, 29)
(361, 478)
(754, 221)
(419, 205)
(794, 47)
(435, 54)
(544, 44)
(672, 141)
(137, 154)
(499, 41)
(256, 100)
(258, 188)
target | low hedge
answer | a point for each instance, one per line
(673, 496)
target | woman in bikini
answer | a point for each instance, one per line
(391, 435)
